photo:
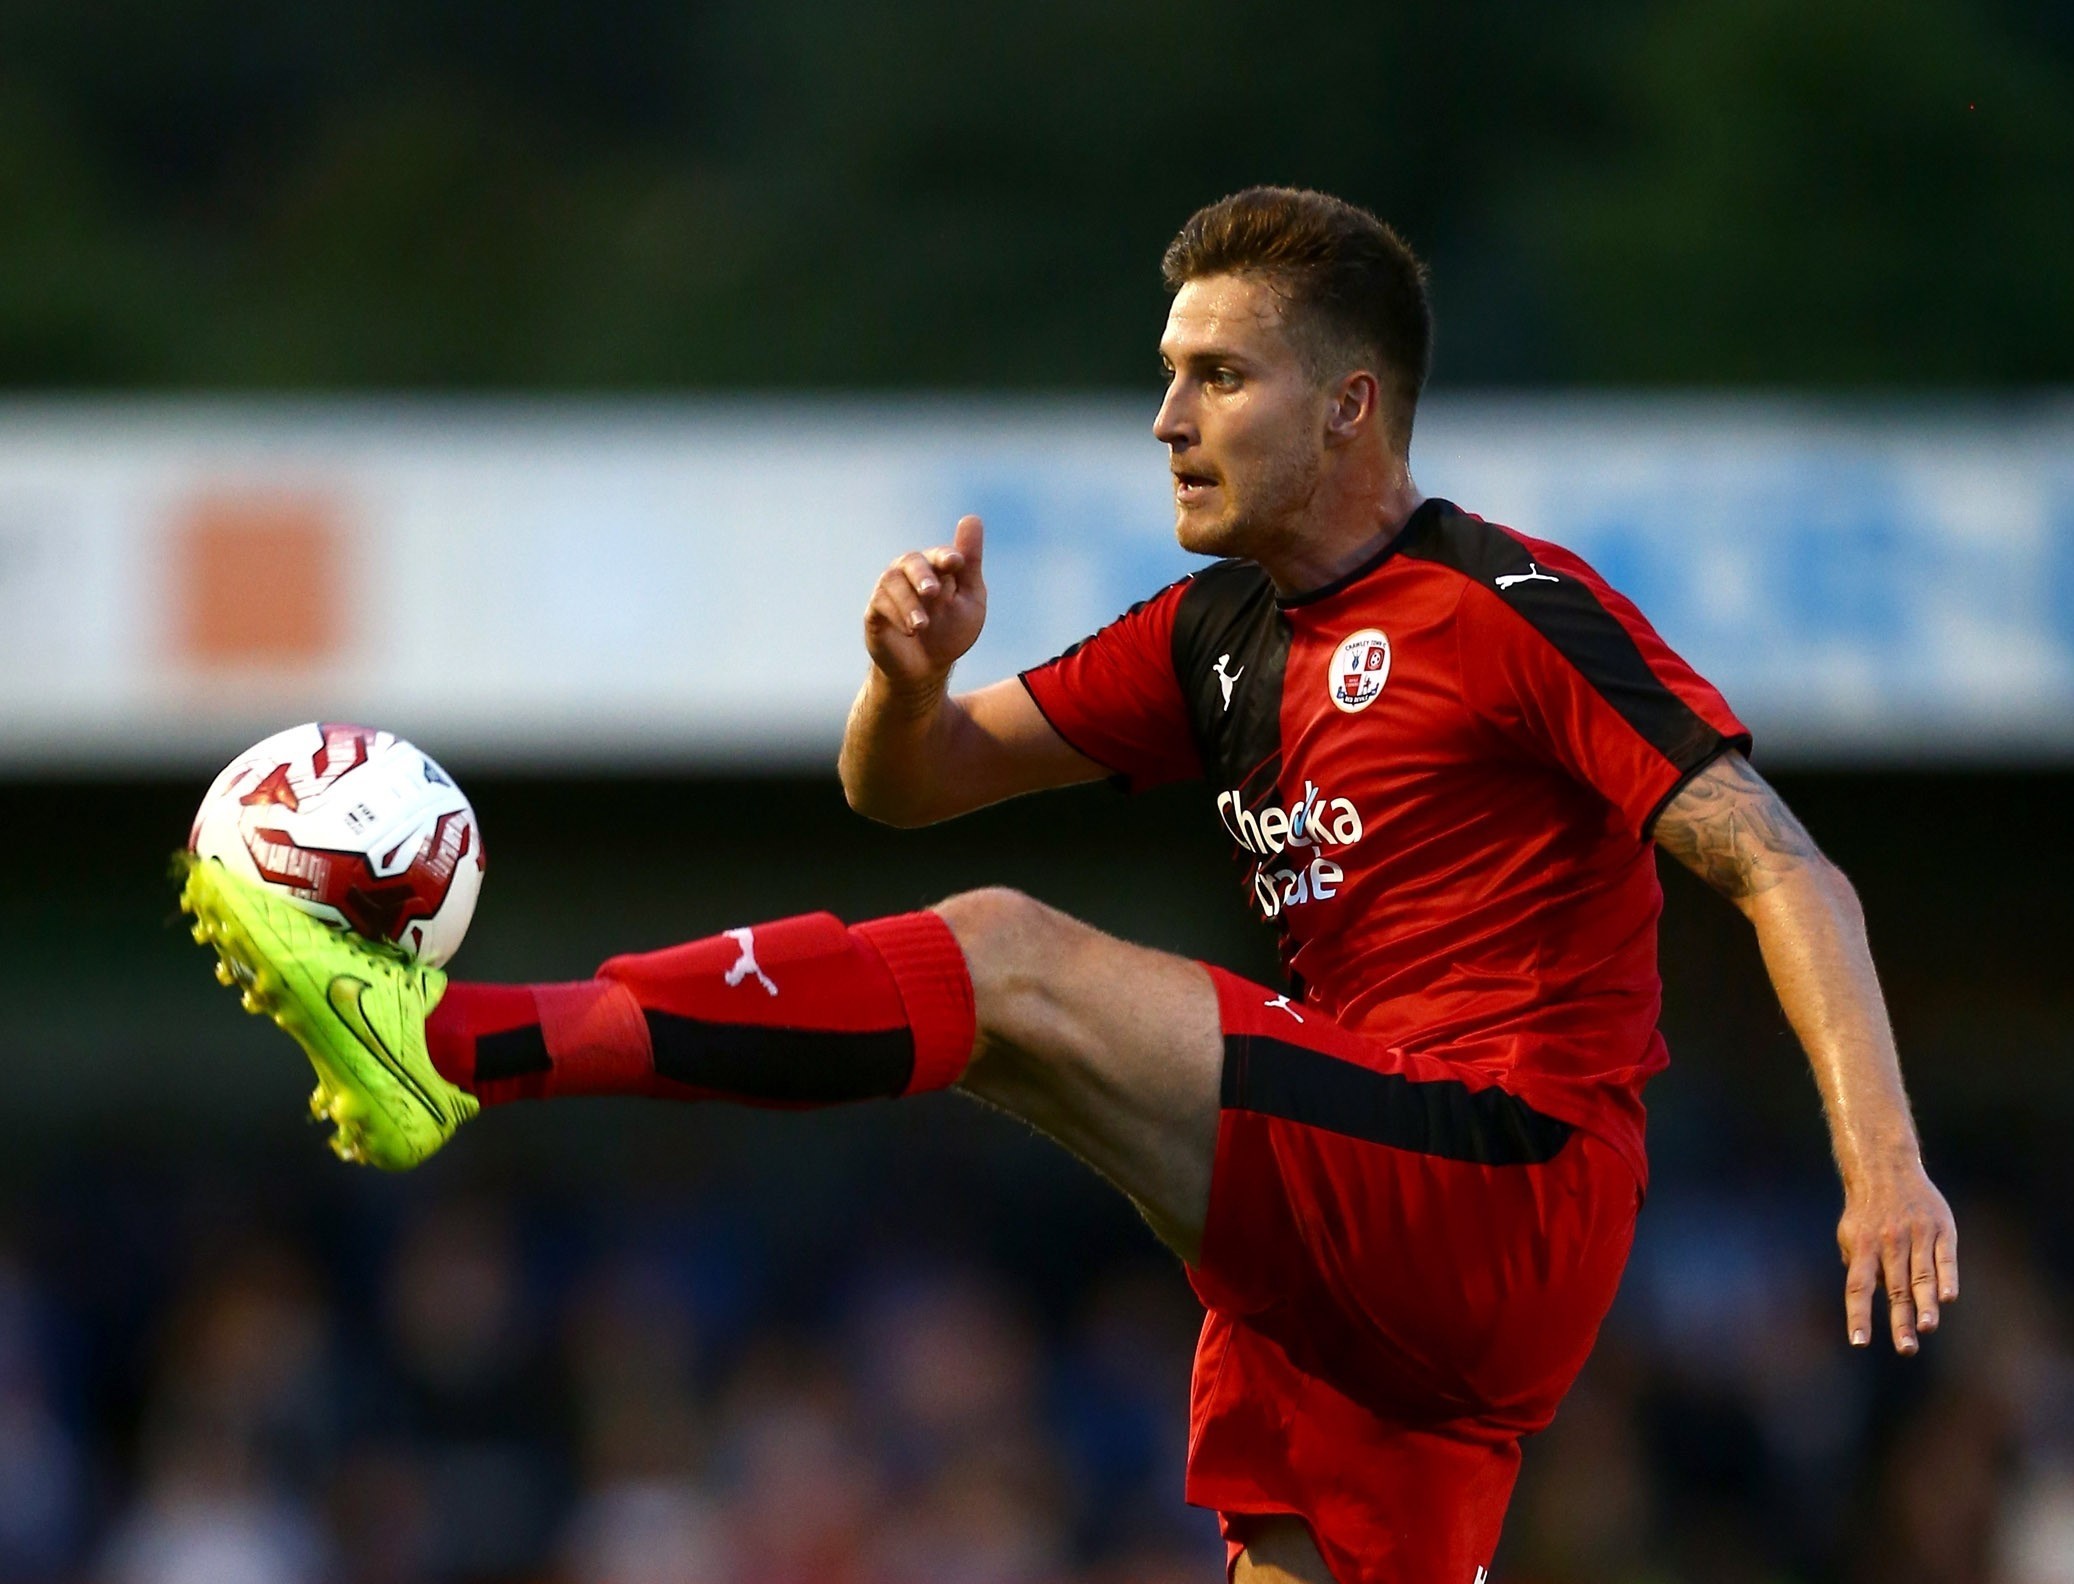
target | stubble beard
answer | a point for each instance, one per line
(1267, 515)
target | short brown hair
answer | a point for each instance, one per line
(1354, 289)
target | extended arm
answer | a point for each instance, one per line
(912, 754)
(1730, 828)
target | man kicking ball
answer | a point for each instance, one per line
(1405, 1185)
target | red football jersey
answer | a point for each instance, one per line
(1439, 773)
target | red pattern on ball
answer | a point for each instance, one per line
(377, 906)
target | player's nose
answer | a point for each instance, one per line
(1173, 425)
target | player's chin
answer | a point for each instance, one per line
(1206, 530)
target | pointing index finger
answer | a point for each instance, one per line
(969, 540)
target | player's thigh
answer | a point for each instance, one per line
(1279, 1551)
(1114, 1050)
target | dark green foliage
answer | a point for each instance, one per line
(646, 194)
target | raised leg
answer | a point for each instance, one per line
(1111, 1049)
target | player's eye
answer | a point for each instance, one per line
(1223, 379)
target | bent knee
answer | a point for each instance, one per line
(998, 919)
(1015, 949)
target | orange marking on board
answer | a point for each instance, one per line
(259, 579)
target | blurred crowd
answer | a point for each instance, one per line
(464, 1387)
(1723, 1434)
(467, 1390)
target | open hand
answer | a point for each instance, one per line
(927, 609)
(1897, 1235)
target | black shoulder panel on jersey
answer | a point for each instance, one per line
(1231, 652)
(1436, 1116)
(1568, 614)
(1230, 647)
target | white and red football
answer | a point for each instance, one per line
(354, 826)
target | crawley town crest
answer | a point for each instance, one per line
(1360, 667)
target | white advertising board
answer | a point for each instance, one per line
(627, 586)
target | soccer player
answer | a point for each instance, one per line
(1405, 1185)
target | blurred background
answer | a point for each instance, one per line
(549, 387)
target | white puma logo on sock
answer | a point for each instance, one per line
(745, 965)
(1282, 1001)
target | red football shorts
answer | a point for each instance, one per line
(1404, 1273)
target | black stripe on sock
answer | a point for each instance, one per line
(512, 1053)
(1441, 1117)
(1568, 614)
(782, 1066)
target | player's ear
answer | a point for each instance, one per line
(1354, 407)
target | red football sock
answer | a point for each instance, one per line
(801, 1012)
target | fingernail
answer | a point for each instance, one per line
(1927, 1320)
(1908, 1344)
(920, 621)
(928, 588)
(1857, 1339)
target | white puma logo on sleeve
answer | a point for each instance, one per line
(1533, 574)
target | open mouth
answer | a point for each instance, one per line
(1191, 486)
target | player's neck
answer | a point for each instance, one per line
(1331, 543)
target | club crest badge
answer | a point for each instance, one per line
(1360, 667)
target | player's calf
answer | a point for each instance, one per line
(1110, 1049)
(799, 1012)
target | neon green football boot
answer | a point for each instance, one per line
(357, 1009)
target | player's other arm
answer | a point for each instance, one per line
(912, 754)
(1730, 828)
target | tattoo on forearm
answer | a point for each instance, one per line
(1733, 831)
